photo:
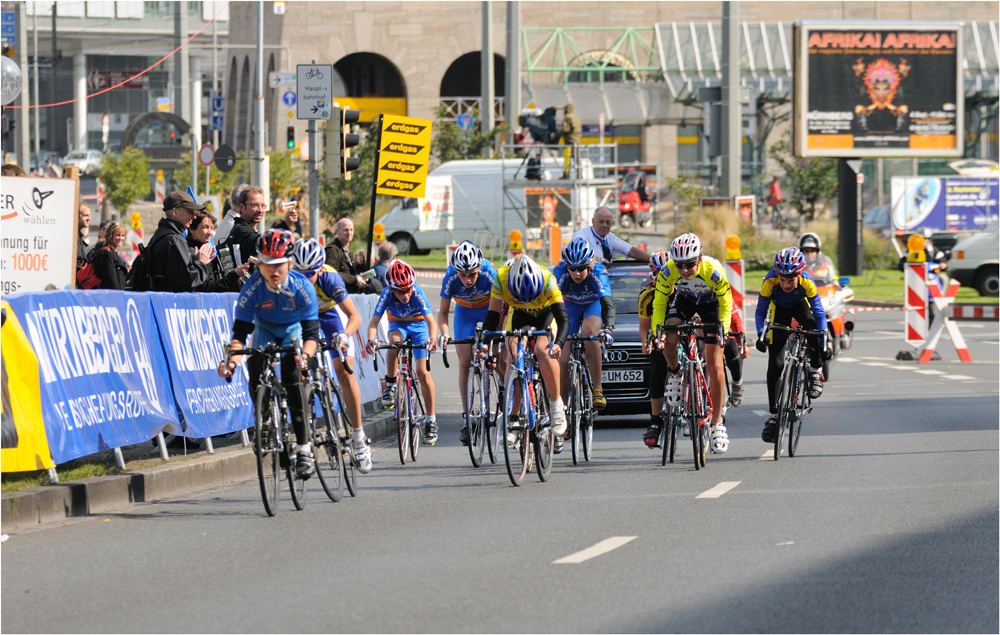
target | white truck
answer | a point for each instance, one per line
(468, 200)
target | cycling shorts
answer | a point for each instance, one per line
(519, 319)
(416, 331)
(465, 321)
(266, 332)
(579, 312)
(331, 328)
(684, 308)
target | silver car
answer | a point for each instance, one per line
(86, 160)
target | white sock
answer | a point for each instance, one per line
(358, 435)
(558, 403)
(432, 418)
(305, 448)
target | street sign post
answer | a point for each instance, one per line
(314, 87)
(289, 98)
(206, 155)
(276, 79)
(216, 122)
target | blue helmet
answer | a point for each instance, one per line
(578, 253)
(525, 280)
(309, 255)
(789, 261)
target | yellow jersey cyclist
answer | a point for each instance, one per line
(693, 284)
(586, 291)
(657, 362)
(339, 320)
(788, 291)
(533, 297)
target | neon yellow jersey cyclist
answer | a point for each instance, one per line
(709, 284)
(549, 296)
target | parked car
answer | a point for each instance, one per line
(86, 160)
(974, 261)
(879, 219)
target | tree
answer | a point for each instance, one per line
(812, 181)
(451, 143)
(287, 171)
(342, 197)
(126, 177)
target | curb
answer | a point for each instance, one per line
(43, 504)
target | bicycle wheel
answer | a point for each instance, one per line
(786, 404)
(795, 424)
(342, 430)
(326, 446)
(494, 403)
(704, 415)
(403, 417)
(475, 416)
(587, 421)
(672, 424)
(265, 447)
(296, 485)
(542, 437)
(575, 412)
(417, 415)
(691, 403)
(515, 440)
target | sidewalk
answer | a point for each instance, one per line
(231, 463)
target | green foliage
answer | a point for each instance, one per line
(126, 177)
(342, 197)
(812, 181)
(451, 143)
(287, 171)
(687, 191)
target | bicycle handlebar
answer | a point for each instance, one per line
(402, 346)
(270, 349)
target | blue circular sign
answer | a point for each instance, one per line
(289, 98)
(464, 121)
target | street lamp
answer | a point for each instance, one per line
(10, 80)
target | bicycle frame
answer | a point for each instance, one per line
(793, 401)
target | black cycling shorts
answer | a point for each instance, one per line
(683, 308)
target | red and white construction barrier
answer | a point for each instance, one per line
(942, 321)
(915, 303)
(737, 282)
(438, 275)
(976, 312)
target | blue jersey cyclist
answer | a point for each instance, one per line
(468, 281)
(586, 290)
(278, 305)
(409, 317)
(788, 291)
(339, 320)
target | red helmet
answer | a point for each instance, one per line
(400, 275)
(275, 246)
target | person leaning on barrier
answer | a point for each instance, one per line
(338, 257)
(109, 266)
(83, 230)
(605, 244)
(386, 253)
(173, 266)
(200, 234)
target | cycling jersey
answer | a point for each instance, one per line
(646, 297)
(295, 302)
(474, 297)
(549, 296)
(412, 311)
(595, 286)
(708, 286)
(330, 289)
(772, 293)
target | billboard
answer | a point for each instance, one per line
(954, 202)
(878, 89)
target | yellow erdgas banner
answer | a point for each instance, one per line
(404, 149)
(25, 446)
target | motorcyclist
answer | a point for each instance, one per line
(818, 264)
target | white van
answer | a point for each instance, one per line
(466, 200)
(974, 261)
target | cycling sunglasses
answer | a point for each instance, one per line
(577, 269)
(690, 264)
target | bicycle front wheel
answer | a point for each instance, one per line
(476, 416)
(494, 403)
(403, 415)
(296, 485)
(342, 428)
(326, 446)
(516, 451)
(704, 410)
(265, 446)
(575, 412)
(543, 438)
(587, 421)
(417, 415)
(795, 424)
(691, 403)
(786, 404)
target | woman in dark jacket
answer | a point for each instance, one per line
(200, 232)
(109, 266)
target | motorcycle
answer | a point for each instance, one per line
(835, 294)
(635, 201)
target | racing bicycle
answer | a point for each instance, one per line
(484, 395)
(410, 412)
(581, 397)
(793, 400)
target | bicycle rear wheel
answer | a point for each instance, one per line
(516, 450)
(494, 403)
(575, 412)
(326, 445)
(691, 403)
(342, 428)
(296, 485)
(587, 421)
(786, 404)
(265, 446)
(704, 410)
(542, 436)
(403, 418)
(795, 425)
(476, 416)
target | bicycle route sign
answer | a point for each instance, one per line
(314, 88)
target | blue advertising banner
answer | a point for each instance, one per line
(945, 203)
(194, 327)
(103, 377)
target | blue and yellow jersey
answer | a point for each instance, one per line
(708, 285)
(550, 292)
(771, 293)
(330, 289)
(475, 297)
(595, 286)
(295, 302)
(413, 311)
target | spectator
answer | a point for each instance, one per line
(605, 244)
(386, 253)
(100, 237)
(12, 169)
(83, 230)
(230, 210)
(200, 233)
(291, 222)
(774, 200)
(572, 134)
(172, 264)
(336, 257)
(358, 260)
(109, 266)
(253, 204)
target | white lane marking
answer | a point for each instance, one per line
(848, 359)
(601, 548)
(784, 544)
(874, 364)
(930, 372)
(768, 455)
(956, 377)
(762, 413)
(719, 489)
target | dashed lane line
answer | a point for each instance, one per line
(719, 489)
(601, 548)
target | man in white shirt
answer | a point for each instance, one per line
(606, 245)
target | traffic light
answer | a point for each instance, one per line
(290, 138)
(339, 142)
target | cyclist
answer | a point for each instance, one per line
(278, 305)
(468, 280)
(586, 291)
(409, 317)
(332, 298)
(534, 299)
(818, 264)
(788, 292)
(657, 362)
(693, 284)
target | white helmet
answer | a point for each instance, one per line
(309, 255)
(685, 247)
(467, 257)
